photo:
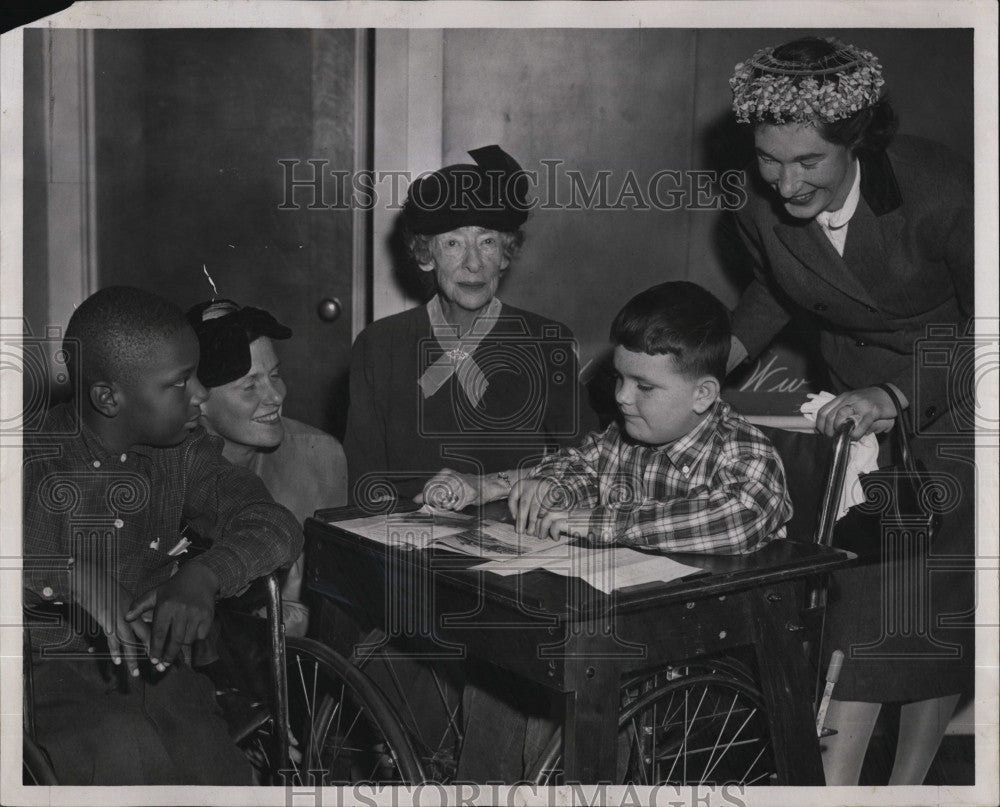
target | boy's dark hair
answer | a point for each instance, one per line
(111, 332)
(680, 319)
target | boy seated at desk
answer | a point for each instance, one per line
(107, 483)
(681, 472)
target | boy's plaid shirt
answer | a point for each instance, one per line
(719, 489)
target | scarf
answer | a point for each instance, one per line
(457, 357)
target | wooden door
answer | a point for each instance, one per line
(195, 129)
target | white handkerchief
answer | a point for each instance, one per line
(861, 459)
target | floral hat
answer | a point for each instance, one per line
(772, 90)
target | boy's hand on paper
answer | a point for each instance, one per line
(450, 490)
(531, 499)
(101, 596)
(557, 523)
(183, 608)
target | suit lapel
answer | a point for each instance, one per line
(865, 248)
(815, 252)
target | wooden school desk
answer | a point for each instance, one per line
(577, 641)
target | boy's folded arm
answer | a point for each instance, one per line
(743, 507)
(251, 535)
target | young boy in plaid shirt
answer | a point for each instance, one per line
(680, 471)
(107, 484)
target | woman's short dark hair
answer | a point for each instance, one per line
(871, 128)
(681, 319)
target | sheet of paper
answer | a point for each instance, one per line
(418, 529)
(605, 568)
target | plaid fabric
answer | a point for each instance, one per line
(719, 489)
(125, 512)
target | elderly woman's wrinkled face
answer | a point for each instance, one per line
(247, 411)
(810, 174)
(467, 263)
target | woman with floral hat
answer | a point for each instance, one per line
(868, 238)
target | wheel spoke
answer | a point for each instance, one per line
(739, 731)
(709, 767)
(444, 703)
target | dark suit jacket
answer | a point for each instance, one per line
(897, 306)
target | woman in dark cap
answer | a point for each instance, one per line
(450, 400)
(465, 389)
(303, 468)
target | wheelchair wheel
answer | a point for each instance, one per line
(35, 766)
(703, 724)
(432, 719)
(341, 728)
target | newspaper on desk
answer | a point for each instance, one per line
(508, 552)
(456, 532)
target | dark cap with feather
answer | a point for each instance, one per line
(225, 331)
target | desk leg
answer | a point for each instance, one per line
(786, 687)
(591, 728)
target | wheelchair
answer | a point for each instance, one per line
(320, 718)
(702, 722)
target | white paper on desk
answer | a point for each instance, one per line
(418, 529)
(605, 568)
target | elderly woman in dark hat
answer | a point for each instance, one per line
(303, 468)
(450, 399)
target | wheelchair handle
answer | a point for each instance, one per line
(279, 675)
(835, 484)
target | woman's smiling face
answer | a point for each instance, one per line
(810, 174)
(247, 411)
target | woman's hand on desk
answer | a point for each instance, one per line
(450, 490)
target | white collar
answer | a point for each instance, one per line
(835, 219)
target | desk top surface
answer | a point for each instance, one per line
(778, 561)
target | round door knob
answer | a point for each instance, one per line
(329, 310)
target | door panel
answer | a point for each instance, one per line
(191, 127)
